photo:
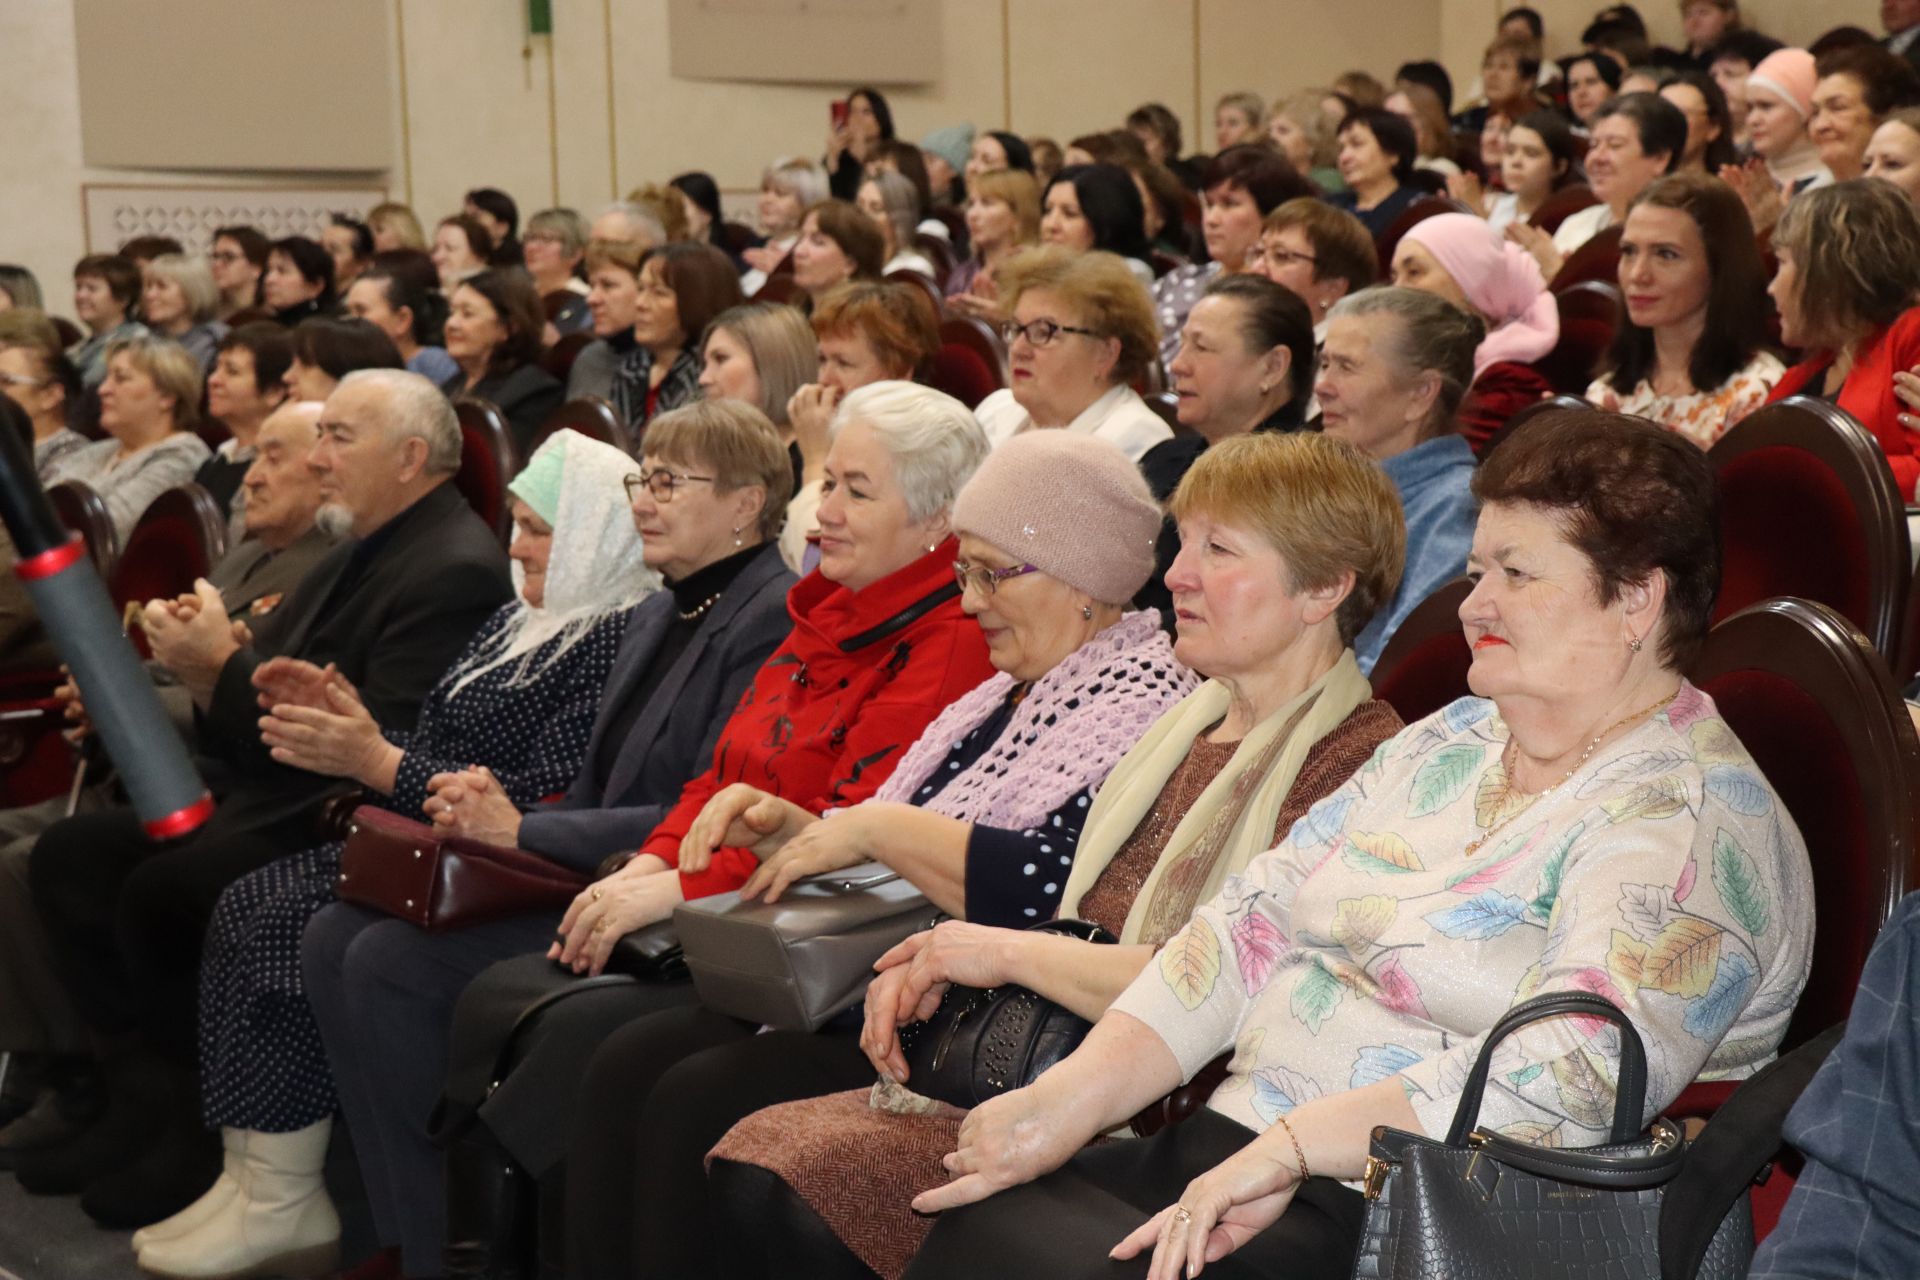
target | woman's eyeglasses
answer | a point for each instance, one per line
(1040, 333)
(661, 483)
(985, 580)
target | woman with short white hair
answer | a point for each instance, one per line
(179, 300)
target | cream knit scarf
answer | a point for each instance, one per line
(1227, 827)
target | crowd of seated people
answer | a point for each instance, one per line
(1027, 520)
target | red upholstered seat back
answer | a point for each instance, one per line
(176, 540)
(962, 374)
(1809, 509)
(1596, 260)
(592, 417)
(1589, 317)
(1424, 666)
(83, 511)
(487, 461)
(1412, 216)
(1560, 206)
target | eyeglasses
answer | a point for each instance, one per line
(660, 482)
(984, 580)
(1287, 257)
(1040, 333)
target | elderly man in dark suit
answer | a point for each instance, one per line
(389, 609)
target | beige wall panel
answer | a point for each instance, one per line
(476, 108)
(580, 102)
(1081, 65)
(149, 75)
(1274, 47)
(665, 125)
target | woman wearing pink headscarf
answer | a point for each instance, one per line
(1458, 257)
(1785, 161)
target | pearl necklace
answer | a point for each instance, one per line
(699, 609)
(1586, 755)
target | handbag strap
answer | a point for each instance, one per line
(1631, 1088)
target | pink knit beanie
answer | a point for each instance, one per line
(1789, 73)
(1070, 505)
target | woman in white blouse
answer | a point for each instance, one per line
(1082, 331)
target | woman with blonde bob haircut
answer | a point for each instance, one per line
(179, 300)
(149, 408)
(1289, 543)
(395, 226)
(1003, 217)
(1082, 331)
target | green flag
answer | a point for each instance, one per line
(540, 17)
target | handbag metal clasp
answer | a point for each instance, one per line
(1483, 1181)
(1375, 1180)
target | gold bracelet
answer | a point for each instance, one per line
(1298, 1154)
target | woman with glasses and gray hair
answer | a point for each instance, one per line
(1082, 332)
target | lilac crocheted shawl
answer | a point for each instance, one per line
(1065, 736)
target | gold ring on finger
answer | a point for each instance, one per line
(1182, 1215)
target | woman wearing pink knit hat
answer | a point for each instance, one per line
(1785, 160)
(1458, 257)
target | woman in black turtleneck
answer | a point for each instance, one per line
(1246, 364)
(708, 502)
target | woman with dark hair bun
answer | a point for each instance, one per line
(493, 334)
(707, 221)
(495, 210)
(1378, 151)
(1097, 206)
(299, 280)
(853, 140)
(400, 295)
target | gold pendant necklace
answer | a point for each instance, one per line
(1474, 847)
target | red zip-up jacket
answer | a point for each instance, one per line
(832, 711)
(1868, 395)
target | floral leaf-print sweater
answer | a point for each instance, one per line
(1664, 875)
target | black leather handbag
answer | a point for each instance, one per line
(981, 1043)
(1480, 1206)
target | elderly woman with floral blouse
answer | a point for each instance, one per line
(1586, 822)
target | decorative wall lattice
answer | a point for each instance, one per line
(115, 214)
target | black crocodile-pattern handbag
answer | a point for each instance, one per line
(1480, 1206)
(981, 1043)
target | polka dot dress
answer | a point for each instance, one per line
(261, 1062)
(1014, 878)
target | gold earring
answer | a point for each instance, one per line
(1633, 644)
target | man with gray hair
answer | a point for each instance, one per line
(386, 613)
(627, 223)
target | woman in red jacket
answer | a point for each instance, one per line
(1857, 244)
(879, 647)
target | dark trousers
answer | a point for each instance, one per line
(1060, 1227)
(656, 1098)
(384, 994)
(126, 918)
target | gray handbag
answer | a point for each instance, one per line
(795, 963)
(1480, 1206)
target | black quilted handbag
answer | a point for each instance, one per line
(981, 1043)
(1480, 1206)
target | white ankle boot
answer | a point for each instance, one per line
(201, 1211)
(281, 1223)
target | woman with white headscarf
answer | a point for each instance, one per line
(1458, 257)
(521, 700)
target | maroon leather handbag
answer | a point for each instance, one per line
(434, 882)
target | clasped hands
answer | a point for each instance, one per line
(192, 636)
(316, 721)
(791, 842)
